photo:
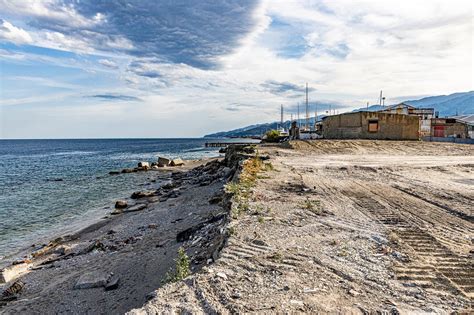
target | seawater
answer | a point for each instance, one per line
(34, 205)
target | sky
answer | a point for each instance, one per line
(174, 68)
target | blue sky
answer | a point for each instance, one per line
(136, 68)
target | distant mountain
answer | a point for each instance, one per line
(446, 105)
(256, 130)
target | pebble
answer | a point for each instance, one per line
(297, 302)
(221, 275)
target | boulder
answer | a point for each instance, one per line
(144, 165)
(95, 245)
(112, 283)
(136, 208)
(127, 170)
(116, 211)
(142, 194)
(14, 289)
(94, 279)
(121, 204)
(62, 250)
(11, 272)
(177, 162)
(163, 161)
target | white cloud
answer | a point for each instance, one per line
(50, 10)
(108, 63)
(347, 50)
(13, 34)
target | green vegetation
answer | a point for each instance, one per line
(276, 256)
(242, 190)
(313, 206)
(343, 251)
(182, 268)
(258, 210)
(268, 167)
(261, 219)
(393, 238)
(272, 136)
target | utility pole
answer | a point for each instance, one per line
(298, 115)
(281, 119)
(315, 115)
(380, 99)
(367, 105)
(307, 108)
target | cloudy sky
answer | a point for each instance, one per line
(174, 68)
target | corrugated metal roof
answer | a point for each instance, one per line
(466, 118)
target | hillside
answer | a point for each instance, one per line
(446, 105)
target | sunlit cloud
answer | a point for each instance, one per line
(229, 63)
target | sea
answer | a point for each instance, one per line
(53, 186)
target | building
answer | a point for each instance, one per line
(371, 125)
(469, 121)
(450, 128)
(294, 131)
(425, 115)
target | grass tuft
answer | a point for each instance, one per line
(242, 189)
(313, 206)
(182, 268)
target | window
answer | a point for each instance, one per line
(373, 125)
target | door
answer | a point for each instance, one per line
(439, 131)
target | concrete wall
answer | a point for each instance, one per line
(356, 126)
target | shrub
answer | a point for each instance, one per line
(272, 136)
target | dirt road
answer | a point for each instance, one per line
(345, 226)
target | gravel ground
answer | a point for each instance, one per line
(347, 227)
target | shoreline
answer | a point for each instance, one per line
(94, 218)
(187, 209)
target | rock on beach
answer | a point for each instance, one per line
(163, 161)
(177, 162)
(121, 204)
(92, 279)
